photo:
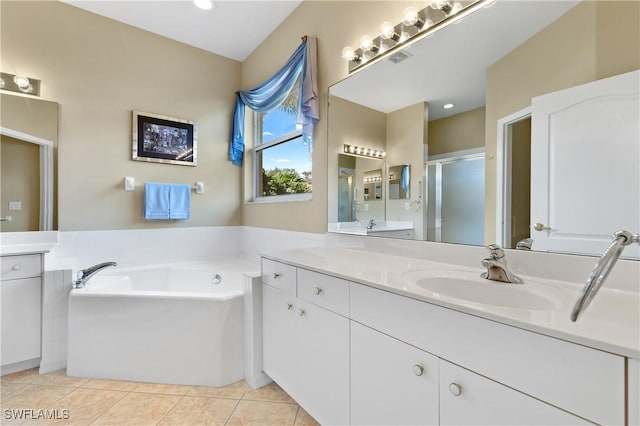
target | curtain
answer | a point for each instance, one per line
(271, 93)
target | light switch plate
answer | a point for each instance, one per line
(15, 205)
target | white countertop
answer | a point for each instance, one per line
(611, 323)
(12, 243)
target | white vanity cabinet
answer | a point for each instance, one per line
(305, 342)
(392, 383)
(21, 311)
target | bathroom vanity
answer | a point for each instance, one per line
(363, 338)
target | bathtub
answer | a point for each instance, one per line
(178, 324)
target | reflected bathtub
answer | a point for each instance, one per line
(179, 324)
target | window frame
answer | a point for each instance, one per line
(260, 146)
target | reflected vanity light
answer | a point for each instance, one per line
(415, 25)
(19, 84)
(363, 152)
(204, 4)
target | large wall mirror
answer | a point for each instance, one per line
(462, 112)
(29, 140)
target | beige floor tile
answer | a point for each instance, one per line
(81, 407)
(35, 396)
(262, 413)
(304, 419)
(110, 385)
(271, 392)
(20, 376)
(56, 378)
(7, 388)
(138, 409)
(196, 410)
(162, 388)
(233, 391)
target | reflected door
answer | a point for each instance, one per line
(456, 198)
(585, 180)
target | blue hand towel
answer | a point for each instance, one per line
(156, 201)
(179, 201)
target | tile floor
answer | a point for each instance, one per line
(110, 402)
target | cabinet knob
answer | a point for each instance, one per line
(289, 306)
(418, 370)
(276, 275)
(317, 290)
(15, 267)
(455, 389)
(301, 312)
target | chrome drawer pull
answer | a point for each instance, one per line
(317, 290)
(15, 267)
(418, 370)
(289, 306)
(301, 312)
(276, 275)
(455, 389)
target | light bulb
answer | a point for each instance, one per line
(204, 4)
(410, 16)
(436, 4)
(352, 149)
(448, 106)
(349, 54)
(366, 43)
(387, 30)
(2, 83)
(21, 82)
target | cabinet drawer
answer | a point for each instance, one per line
(23, 266)
(587, 382)
(324, 290)
(279, 275)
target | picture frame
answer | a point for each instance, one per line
(163, 139)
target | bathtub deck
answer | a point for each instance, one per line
(110, 402)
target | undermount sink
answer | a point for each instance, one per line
(469, 287)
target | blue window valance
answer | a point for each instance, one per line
(271, 93)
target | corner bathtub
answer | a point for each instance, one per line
(161, 324)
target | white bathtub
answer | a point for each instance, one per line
(161, 324)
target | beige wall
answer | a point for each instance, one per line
(520, 180)
(355, 125)
(336, 24)
(405, 145)
(99, 70)
(20, 182)
(457, 132)
(592, 41)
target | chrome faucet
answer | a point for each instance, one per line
(524, 244)
(602, 269)
(85, 274)
(497, 269)
(371, 224)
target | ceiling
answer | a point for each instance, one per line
(233, 28)
(451, 66)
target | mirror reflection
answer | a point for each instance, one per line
(461, 111)
(399, 183)
(29, 138)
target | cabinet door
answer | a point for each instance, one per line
(467, 398)
(323, 361)
(21, 320)
(279, 342)
(391, 382)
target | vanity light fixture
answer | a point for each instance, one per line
(363, 152)
(415, 25)
(19, 84)
(372, 179)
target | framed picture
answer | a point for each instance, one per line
(162, 139)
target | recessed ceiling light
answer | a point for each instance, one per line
(448, 106)
(204, 4)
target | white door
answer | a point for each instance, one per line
(585, 178)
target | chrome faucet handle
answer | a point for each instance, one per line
(495, 251)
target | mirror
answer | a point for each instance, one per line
(489, 66)
(29, 129)
(399, 184)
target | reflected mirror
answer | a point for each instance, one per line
(461, 108)
(29, 139)
(399, 184)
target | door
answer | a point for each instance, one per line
(585, 179)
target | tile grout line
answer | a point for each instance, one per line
(170, 409)
(233, 411)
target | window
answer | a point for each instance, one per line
(282, 159)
